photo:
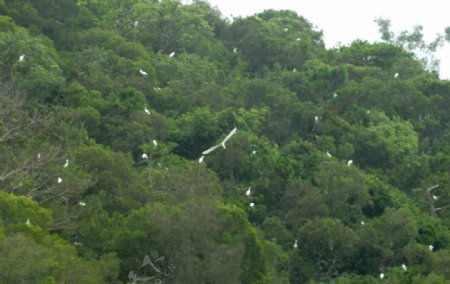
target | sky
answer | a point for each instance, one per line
(347, 20)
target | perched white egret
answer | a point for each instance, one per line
(335, 95)
(235, 49)
(144, 156)
(143, 73)
(59, 180)
(221, 144)
(249, 191)
(254, 152)
(200, 160)
(156, 89)
(349, 163)
(294, 70)
(363, 223)
(404, 267)
(368, 112)
(66, 164)
(298, 39)
(286, 29)
(328, 154)
(146, 110)
(316, 119)
(381, 275)
(21, 58)
(77, 243)
(295, 244)
(155, 142)
(39, 156)
(435, 197)
(81, 203)
(396, 75)
(431, 247)
(28, 222)
(172, 54)
(252, 204)
(136, 23)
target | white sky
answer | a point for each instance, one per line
(346, 20)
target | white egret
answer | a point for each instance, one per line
(328, 154)
(404, 267)
(144, 156)
(286, 29)
(156, 89)
(66, 164)
(235, 50)
(200, 160)
(335, 95)
(349, 163)
(146, 110)
(363, 223)
(316, 119)
(155, 142)
(21, 58)
(368, 112)
(81, 203)
(221, 144)
(59, 180)
(396, 75)
(295, 244)
(136, 23)
(28, 222)
(294, 70)
(143, 73)
(298, 39)
(172, 54)
(431, 247)
(381, 275)
(252, 204)
(39, 156)
(249, 191)
(254, 152)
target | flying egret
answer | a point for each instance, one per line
(59, 180)
(381, 275)
(21, 58)
(155, 142)
(328, 154)
(146, 110)
(66, 164)
(396, 75)
(81, 203)
(404, 267)
(143, 73)
(136, 23)
(172, 54)
(221, 144)
(200, 160)
(295, 244)
(144, 156)
(28, 222)
(430, 247)
(335, 95)
(252, 204)
(349, 163)
(235, 50)
(363, 223)
(249, 191)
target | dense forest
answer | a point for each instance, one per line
(339, 170)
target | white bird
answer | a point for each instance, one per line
(363, 223)
(156, 89)
(235, 50)
(59, 180)
(21, 58)
(249, 191)
(81, 203)
(404, 267)
(155, 142)
(66, 164)
(381, 275)
(252, 204)
(146, 110)
(143, 73)
(136, 23)
(221, 144)
(395, 75)
(328, 154)
(349, 163)
(335, 95)
(298, 39)
(316, 119)
(144, 156)
(28, 222)
(200, 160)
(286, 29)
(294, 70)
(430, 247)
(435, 197)
(39, 156)
(172, 54)
(368, 112)
(295, 244)
(254, 152)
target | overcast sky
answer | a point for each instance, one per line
(346, 20)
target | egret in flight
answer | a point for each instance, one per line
(143, 73)
(221, 144)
